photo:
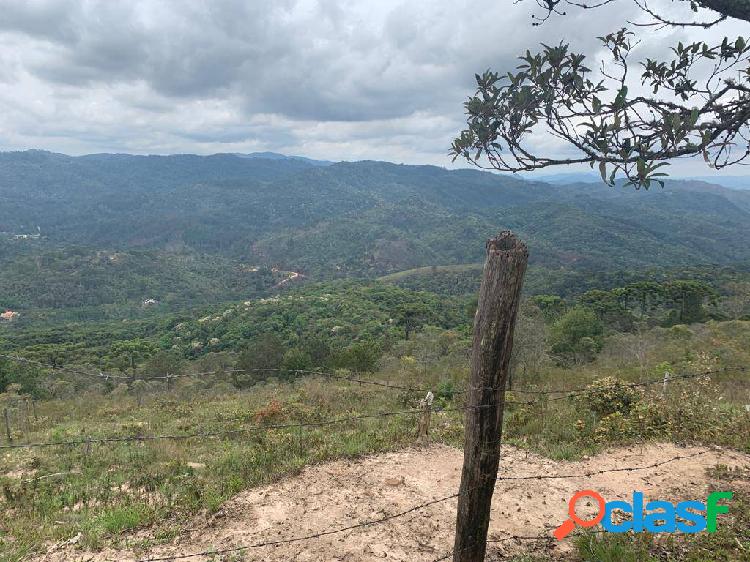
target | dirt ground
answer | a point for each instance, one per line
(339, 494)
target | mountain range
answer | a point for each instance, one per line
(732, 182)
(359, 219)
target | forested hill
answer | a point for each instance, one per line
(360, 218)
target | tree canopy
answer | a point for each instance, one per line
(722, 9)
(625, 119)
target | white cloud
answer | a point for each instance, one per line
(330, 79)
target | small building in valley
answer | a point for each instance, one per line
(9, 316)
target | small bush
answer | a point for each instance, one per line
(608, 396)
(270, 412)
(445, 392)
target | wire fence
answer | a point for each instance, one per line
(549, 394)
(357, 378)
(230, 433)
(413, 509)
(566, 394)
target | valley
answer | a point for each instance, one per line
(188, 332)
(351, 281)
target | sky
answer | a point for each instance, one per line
(327, 79)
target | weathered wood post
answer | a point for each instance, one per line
(26, 423)
(666, 381)
(7, 425)
(424, 419)
(494, 322)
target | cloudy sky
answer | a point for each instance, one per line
(332, 79)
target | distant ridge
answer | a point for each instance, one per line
(36, 152)
(565, 178)
(279, 156)
(730, 182)
(360, 219)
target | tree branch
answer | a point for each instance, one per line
(633, 135)
(738, 9)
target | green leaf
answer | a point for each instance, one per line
(620, 99)
(641, 165)
(597, 104)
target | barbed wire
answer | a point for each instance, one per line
(229, 433)
(347, 378)
(50, 366)
(670, 378)
(572, 393)
(322, 423)
(277, 542)
(412, 509)
(207, 434)
(167, 377)
(606, 470)
(336, 376)
(383, 384)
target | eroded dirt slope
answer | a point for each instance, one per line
(336, 495)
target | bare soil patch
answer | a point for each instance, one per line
(339, 494)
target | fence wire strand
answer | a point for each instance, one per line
(413, 509)
(356, 378)
(565, 393)
(229, 433)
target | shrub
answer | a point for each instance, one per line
(608, 396)
(258, 361)
(296, 360)
(444, 393)
(270, 412)
(359, 356)
(577, 336)
(614, 428)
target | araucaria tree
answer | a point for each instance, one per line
(627, 119)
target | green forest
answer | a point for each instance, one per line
(185, 258)
(354, 281)
(175, 294)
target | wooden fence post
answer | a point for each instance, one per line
(494, 322)
(26, 423)
(666, 380)
(7, 425)
(424, 419)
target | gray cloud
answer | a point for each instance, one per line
(50, 20)
(330, 79)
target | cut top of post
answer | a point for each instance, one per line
(506, 241)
